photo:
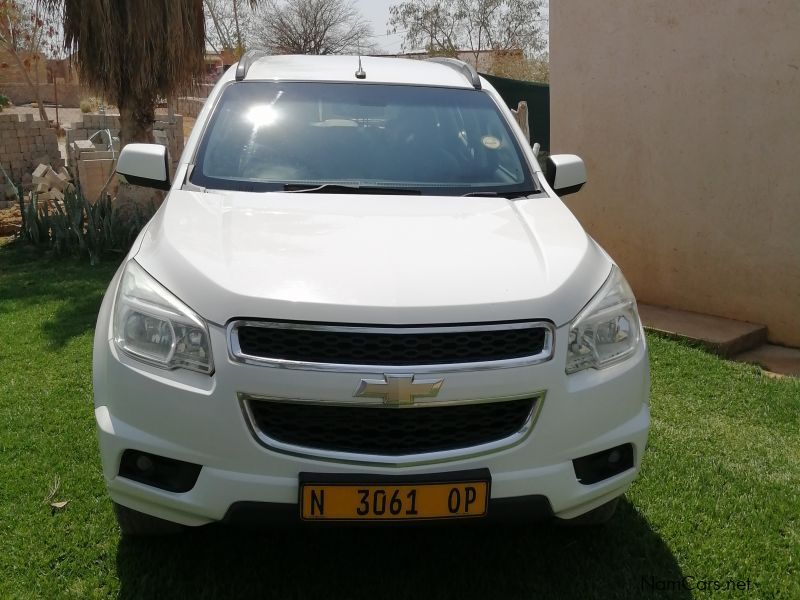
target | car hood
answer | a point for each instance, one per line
(372, 259)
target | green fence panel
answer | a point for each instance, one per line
(537, 95)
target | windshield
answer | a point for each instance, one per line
(267, 136)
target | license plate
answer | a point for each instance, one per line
(393, 501)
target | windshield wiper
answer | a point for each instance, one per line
(340, 188)
(485, 194)
(509, 195)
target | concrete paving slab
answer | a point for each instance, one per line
(725, 337)
(776, 359)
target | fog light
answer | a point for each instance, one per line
(602, 465)
(159, 471)
(144, 463)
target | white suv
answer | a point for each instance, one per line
(363, 300)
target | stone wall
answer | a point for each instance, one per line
(10, 71)
(14, 85)
(166, 133)
(190, 107)
(69, 94)
(202, 90)
(93, 167)
(24, 144)
(93, 161)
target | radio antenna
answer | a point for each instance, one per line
(361, 73)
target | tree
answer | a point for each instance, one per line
(28, 34)
(445, 26)
(223, 25)
(311, 27)
(135, 51)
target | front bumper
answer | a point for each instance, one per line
(198, 419)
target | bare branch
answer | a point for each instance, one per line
(311, 27)
(444, 26)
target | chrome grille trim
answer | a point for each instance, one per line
(408, 460)
(236, 353)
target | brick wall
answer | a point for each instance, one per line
(24, 143)
(169, 134)
(94, 162)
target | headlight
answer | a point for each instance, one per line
(154, 326)
(607, 330)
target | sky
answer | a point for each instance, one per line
(377, 13)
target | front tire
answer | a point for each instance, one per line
(597, 516)
(134, 523)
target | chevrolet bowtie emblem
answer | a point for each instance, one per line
(399, 390)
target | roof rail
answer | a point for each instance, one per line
(466, 69)
(246, 61)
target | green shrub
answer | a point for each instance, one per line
(75, 227)
(4, 101)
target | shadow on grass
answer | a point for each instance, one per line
(72, 319)
(625, 559)
(31, 277)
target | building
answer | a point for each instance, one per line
(686, 114)
(54, 76)
(11, 72)
(217, 63)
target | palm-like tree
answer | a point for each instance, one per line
(135, 51)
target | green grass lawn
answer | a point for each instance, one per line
(717, 499)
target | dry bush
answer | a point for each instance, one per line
(521, 68)
(90, 105)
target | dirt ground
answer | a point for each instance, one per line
(10, 221)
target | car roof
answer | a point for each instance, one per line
(343, 68)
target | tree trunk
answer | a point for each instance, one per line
(136, 123)
(239, 47)
(37, 94)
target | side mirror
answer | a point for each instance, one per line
(565, 173)
(145, 165)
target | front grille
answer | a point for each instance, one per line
(387, 431)
(386, 346)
